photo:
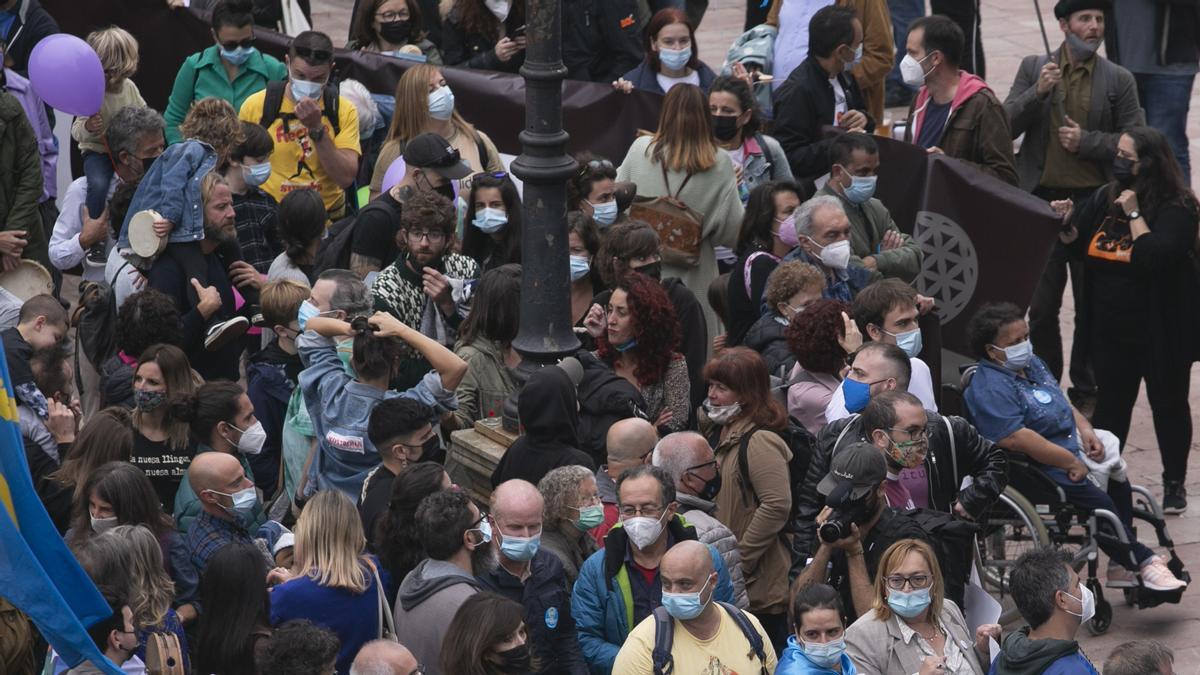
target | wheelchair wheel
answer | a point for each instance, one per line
(1102, 620)
(1008, 529)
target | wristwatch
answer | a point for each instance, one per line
(1134, 215)
(317, 134)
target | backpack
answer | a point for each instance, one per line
(664, 637)
(273, 101)
(605, 398)
(95, 322)
(679, 227)
(801, 443)
(762, 143)
(334, 250)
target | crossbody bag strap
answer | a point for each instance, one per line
(667, 182)
(385, 614)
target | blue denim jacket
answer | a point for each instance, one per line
(172, 188)
(341, 407)
(843, 285)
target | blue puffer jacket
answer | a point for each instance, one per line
(794, 662)
(172, 188)
(602, 601)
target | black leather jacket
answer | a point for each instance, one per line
(977, 457)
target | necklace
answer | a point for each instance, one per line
(928, 638)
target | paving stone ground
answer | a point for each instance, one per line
(1010, 32)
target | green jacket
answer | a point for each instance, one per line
(868, 223)
(203, 74)
(487, 384)
(21, 179)
(187, 503)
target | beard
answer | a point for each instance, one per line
(217, 233)
(484, 559)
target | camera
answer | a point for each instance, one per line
(846, 511)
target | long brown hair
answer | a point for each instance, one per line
(482, 622)
(1159, 181)
(745, 373)
(362, 30)
(107, 437)
(684, 140)
(177, 375)
(476, 18)
(412, 107)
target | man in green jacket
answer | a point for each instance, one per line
(20, 188)
(874, 237)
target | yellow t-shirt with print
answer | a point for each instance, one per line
(727, 653)
(294, 163)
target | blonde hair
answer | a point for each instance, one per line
(208, 183)
(281, 299)
(118, 52)
(213, 121)
(684, 140)
(412, 107)
(330, 543)
(151, 590)
(892, 558)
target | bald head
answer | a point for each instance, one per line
(382, 657)
(516, 495)
(629, 441)
(680, 451)
(687, 568)
(214, 476)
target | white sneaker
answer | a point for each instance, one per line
(1119, 577)
(1158, 577)
(222, 333)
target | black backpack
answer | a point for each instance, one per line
(334, 250)
(273, 101)
(605, 398)
(664, 637)
(801, 443)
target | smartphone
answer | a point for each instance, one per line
(519, 32)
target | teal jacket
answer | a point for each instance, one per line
(203, 74)
(187, 504)
(602, 600)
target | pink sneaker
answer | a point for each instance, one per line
(1158, 577)
(1119, 577)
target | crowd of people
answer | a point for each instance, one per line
(243, 430)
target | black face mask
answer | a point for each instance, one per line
(711, 488)
(515, 660)
(396, 32)
(653, 270)
(147, 163)
(725, 128)
(446, 190)
(1122, 168)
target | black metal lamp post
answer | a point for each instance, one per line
(546, 333)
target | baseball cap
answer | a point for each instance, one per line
(431, 151)
(860, 466)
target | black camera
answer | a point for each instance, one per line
(846, 511)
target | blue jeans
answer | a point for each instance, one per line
(903, 13)
(1166, 98)
(98, 169)
(1119, 500)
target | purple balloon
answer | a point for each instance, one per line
(394, 174)
(67, 74)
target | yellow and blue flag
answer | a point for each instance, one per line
(38, 573)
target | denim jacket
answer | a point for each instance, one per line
(172, 188)
(341, 407)
(764, 164)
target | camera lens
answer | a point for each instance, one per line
(832, 531)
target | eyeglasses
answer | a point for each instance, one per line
(387, 17)
(313, 56)
(589, 501)
(419, 671)
(698, 467)
(244, 44)
(916, 582)
(648, 511)
(434, 236)
(597, 166)
(917, 435)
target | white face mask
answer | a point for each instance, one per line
(441, 103)
(252, 440)
(642, 530)
(102, 525)
(1087, 600)
(499, 8)
(911, 70)
(836, 255)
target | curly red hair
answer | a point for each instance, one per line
(655, 325)
(813, 337)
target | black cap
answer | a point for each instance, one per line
(1066, 8)
(859, 465)
(431, 151)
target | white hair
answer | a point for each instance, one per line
(676, 453)
(808, 210)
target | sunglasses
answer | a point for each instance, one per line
(597, 166)
(244, 44)
(314, 56)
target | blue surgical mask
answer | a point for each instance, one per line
(823, 654)
(490, 221)
(307, 311)
(910, 342)
(256, 174)
(1018, 356)
(243, 504)
(685, 606)
(237, 56)
(861, 189)
(485, 530)
(519, 549)
(858, 56)
(857, 394)
(909, 605)
(605, 214)
(580, 267)
(675, 59)
(441, 103)
(306, 89)
(626, 346)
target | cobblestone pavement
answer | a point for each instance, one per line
(1010, 32)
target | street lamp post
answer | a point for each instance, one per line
(546, 334)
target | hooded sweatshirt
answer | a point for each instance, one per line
(429, 597)
(976, 129)
(1022, 656)
(549, 414)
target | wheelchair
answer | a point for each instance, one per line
(1033, 511)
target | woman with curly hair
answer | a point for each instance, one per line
(146, 318)
(571, 510)
(637, 335)
(791, 287)
(395, 537)
(740, 404)
(820, 336)
(492, 232)
(483, 34)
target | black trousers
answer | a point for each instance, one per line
(1123, 358)
(777, 629)
(965, 13)
(1044, 331)
(756, 13)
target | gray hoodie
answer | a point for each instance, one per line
(428, 599)
(1022, 656)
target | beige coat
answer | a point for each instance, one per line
(878, 646)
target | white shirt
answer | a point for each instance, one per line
(839, 98)
(920, 385)
(65, 251)
(666, 83)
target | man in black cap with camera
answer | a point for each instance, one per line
(430, 164)
(1072, 106)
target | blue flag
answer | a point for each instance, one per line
(38, 573)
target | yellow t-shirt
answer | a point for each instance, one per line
(294, 163)
(727, 653)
